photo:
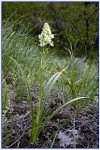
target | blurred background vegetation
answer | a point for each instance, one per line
(75, 24)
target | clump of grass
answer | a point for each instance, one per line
(20, 47)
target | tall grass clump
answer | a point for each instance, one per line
(26, 64)
(19, 46)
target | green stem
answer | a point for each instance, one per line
(31, 107)
(37, 124)
(41, 87)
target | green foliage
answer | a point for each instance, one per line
(75, 24)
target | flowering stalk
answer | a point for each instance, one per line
(45, 38)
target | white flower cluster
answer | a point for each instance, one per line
(46, 36)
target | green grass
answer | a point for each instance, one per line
(74, 78)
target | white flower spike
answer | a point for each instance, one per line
(46, 36)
